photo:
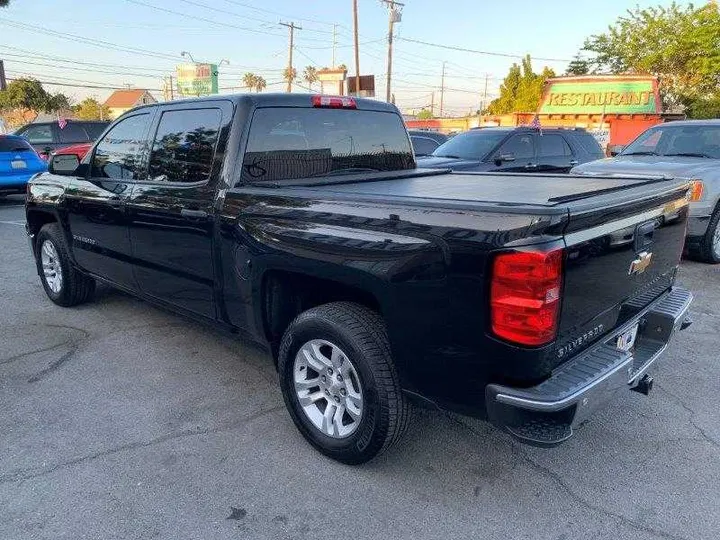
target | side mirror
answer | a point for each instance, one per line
(501, 158)
(64, 164)
(615, 149)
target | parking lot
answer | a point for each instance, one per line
(120, 420)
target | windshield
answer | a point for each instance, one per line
(287, 143)
(475, 144)
(701, 141)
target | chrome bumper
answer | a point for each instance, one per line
(546, 414)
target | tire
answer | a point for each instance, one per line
(360, 338)
(709, 248)
(73, 287)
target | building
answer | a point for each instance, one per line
(121, 101)
(614, 108)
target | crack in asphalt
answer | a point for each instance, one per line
(27, 474)
(555, 477)
(30, 353)
(692, 413)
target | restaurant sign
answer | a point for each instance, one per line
(600, 95)
(197, 79)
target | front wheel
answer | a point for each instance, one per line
(339, 382)
(710, 243)
(63, 284)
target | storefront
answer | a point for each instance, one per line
(615, 108)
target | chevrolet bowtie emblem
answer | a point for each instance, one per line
(639, 265)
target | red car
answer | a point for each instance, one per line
(77, 149)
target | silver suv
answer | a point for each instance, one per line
(688, 149)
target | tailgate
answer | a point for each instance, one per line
(623, 250)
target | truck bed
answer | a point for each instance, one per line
(506, 189)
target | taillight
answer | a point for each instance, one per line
(334, 102)
(525, 296)
(696, 190)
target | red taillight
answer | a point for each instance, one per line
(525, 296)
(334, 102)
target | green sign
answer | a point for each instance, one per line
(197, 79)
(619, 96)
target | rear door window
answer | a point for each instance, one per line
(287, 143)
(552, 145)
(522, 146)
(184, 145)
(120, 152)
(94, 129)
(39, 134)
(73, 133)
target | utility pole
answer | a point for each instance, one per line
(3, 82)
(432, 104)
(394, 15)
(291, 28)
(172, 89)
(357, 47)
(483, 103)
(442, 89)
(334, 45)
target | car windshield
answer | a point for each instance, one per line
(701, 141)
(474, 144)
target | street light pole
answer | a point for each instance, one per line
(357, 47)
(394, 15)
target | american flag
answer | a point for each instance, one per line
(535, 122)
(62, 122)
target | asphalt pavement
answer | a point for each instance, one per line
(120, 420)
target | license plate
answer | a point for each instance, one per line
(626, 340)
(18, 164)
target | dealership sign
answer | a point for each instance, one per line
(197, 79)
(598, 95)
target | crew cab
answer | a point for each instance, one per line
(302, 223)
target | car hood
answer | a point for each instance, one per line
(79, 149)
(667, 166)
(435, 162)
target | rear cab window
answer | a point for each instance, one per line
(290, 143)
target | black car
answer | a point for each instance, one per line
(48, 136)
(426, 142)
(520, 149)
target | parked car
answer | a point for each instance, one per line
(372, 283)
(48, 136)
(18, 163)
(519, 149)
(425, 142)
(688, 149)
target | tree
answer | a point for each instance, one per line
(425, 114)
(91, 109)
(310, 75)
(290, 74)
(677, 44)
(521, 90)
(29, 95)
(578, 66)
(4, 3)
(249, 80)
(260, 84)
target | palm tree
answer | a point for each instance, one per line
(260, 84)
(310, 75)
(290, 74)
(250, 80)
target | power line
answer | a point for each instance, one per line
(488, 53)
(263, 10)
(56, 83)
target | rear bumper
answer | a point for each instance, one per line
(547, 414)
(15, 183)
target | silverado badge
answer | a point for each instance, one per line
(639, 265)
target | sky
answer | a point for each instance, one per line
(138, 42)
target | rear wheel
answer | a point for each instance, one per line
(63, 284)
(339, 382)
(710, 244)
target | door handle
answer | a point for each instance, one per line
(193, 214)
(574, 162)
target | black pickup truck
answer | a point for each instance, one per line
(301, 222)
